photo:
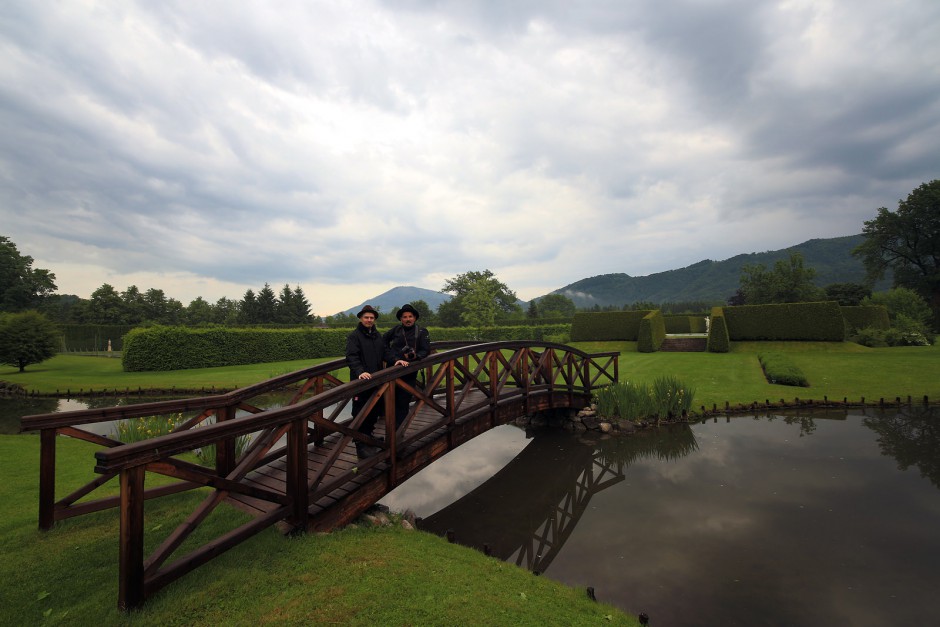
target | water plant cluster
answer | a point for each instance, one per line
(665, 397)
(146, 427)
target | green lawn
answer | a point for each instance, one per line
(835, 370)
(363, 576)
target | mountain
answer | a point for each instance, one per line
(398, 296)
(713, 281)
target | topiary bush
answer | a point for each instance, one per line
(718, 339)
(651, 333)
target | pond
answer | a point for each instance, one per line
(827, 518)
(821, 518)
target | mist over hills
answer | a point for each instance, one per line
(706, 280)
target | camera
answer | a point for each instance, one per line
(408, 354)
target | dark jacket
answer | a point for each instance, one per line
(365, 351)
(399, 338)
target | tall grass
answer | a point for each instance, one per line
(666, 396)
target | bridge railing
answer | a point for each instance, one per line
(453, 381)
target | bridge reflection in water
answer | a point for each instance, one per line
(527, 511)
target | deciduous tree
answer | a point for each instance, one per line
(477, 286)
(27, 338)
(556, 306)
(908, 242)
(22, 287)
(788, 282)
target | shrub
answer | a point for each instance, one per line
(905, 332)
(861, 317)
(781, 370)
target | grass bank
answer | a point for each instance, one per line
(364, 576)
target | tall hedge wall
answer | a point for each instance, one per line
(603, 326)
(651, 333)
(820, 321)
(181, 348)
(856, 318)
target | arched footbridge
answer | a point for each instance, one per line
(296, 465)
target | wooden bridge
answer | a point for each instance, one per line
(300, 470)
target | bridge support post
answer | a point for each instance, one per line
(391, 431)
(131, 577)
(47, 479)
(296, 480)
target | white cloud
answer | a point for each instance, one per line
(206, 147)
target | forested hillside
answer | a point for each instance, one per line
(717, 280)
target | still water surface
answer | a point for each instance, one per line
(822, 518)
(799, 519)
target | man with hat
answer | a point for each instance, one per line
(406, 343)
(365, 353)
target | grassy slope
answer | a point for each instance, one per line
(362, 576)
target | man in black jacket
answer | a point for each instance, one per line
(365, 354)
(406, 343)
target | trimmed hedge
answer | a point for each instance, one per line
(651, 333)
(820, 321)
(606, 326)
(781, 370)
(873, 317)
(718, 338)
(181, 348)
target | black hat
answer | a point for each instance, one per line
(367, 309)
(407, 308)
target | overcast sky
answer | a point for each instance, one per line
(209, 147)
